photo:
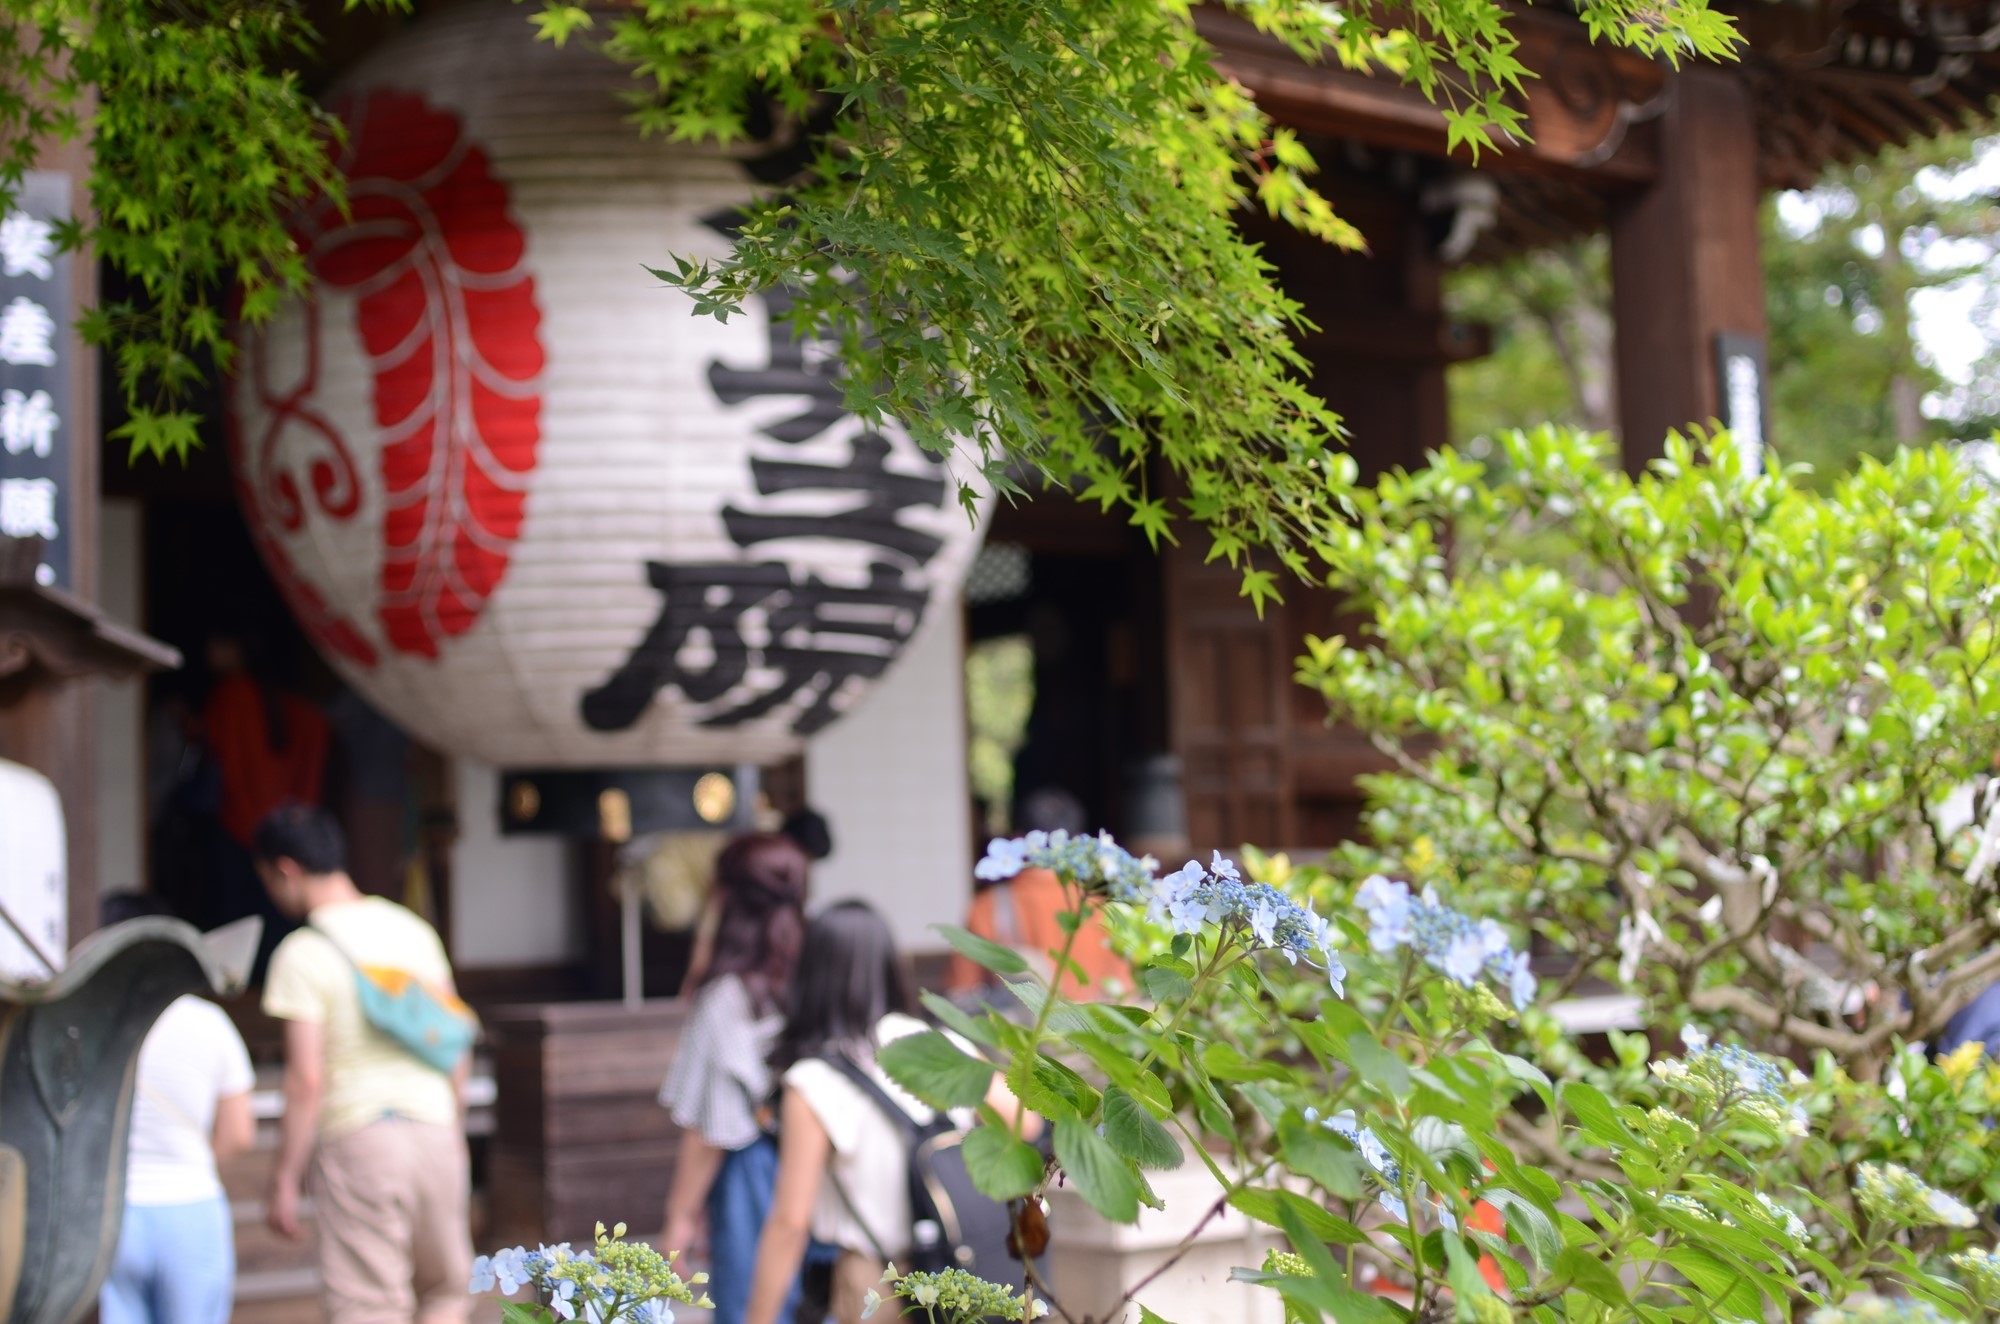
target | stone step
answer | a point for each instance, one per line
(280, 1310)
(276, 1284)
(259, 1249)
(293, 1298)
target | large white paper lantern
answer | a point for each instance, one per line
(526, 502)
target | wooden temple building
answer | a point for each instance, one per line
(1162, 700)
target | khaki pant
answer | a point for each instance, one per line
(393, 1241)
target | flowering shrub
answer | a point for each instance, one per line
(614, 1282)
(1728, 742)
(1365, 1118)
(952, 1296)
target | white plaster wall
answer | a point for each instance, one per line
(121, 741)
(891, 780)
(510, 895)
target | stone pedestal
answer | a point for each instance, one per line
(1093, 1262)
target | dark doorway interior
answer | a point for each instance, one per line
(206, 590)
(1092, 611)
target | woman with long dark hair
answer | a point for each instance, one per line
(720, 1079)
(843, 1168)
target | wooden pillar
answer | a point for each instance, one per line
(1684, 262)
(1260, 764)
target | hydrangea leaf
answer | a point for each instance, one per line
(983, 952)
(934, 1069)
(1001, 1165)
(1133, 1131)
(1103, 1178)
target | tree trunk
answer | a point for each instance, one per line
(1906, 409)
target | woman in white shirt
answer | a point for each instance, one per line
(176, 1259)
(843, 1167)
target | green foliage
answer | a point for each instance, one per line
(613, 1281)
(1550, 311)
(931, 1067)
(1703, 738)
(1712, 729)
(1374, 1128)
(201, 142)
(999, 695)
(1017, 226)
(1843, 265)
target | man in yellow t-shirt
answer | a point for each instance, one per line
(381, 1128)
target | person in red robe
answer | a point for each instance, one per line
(269, 746)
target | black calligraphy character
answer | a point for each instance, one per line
(873, 521)
(787, 372)
(710, 597)
(823, 635)
(820, 636)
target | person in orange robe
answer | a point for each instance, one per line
(1022, 913)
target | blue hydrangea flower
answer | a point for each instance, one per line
(1753, 1074)
(1097, 863)
(1177, 900)
(1003, 860)
(1520, 981)
(1388, 907)
(1192, 896)
(1734, 1078)
(1186, 899)
(1454, 943)
(1388, 1173)
(1794, 1227)
(1264, 923)
(505, 1269)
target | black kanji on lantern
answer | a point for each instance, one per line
(815, 637)
(742, 639)
(789, 368)
(873, 521)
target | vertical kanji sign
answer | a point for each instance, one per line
(35, 371)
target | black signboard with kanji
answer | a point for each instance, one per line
(34, 372)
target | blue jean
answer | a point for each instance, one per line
(738, 1204)
(176, 1264)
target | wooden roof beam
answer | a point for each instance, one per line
(1586, 109)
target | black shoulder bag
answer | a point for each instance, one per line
(954, 1225)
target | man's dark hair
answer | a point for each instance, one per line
(1051, 808)
(303, 834)
(807, 827)
(117, 907)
